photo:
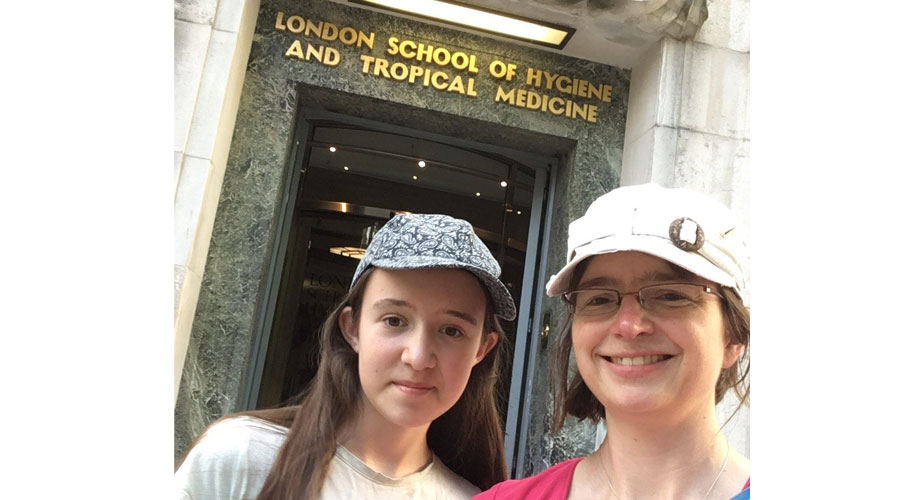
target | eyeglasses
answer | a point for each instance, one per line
(667, 299)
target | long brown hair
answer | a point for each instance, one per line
(573, 397)
(322, 411)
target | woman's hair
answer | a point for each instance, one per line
(468, 438)
(576, 399)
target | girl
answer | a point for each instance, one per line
(402, 404)
(656, 283)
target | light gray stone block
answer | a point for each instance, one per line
(643, 96)
(728, 25)
(670, 82)
(179, 281)
(188, 198)
(191, 43)
(196, 11)
(179, 156)
(210, 98)
(715, 90)
(705, 163)
(229, 13)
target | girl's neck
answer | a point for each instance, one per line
(387, 448)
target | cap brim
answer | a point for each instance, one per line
(649, 244)
(504, 306)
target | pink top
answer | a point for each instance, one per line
(552, 484)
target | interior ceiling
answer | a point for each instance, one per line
(614, 32)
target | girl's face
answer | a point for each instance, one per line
(418, 335)
(637, 361)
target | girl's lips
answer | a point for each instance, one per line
(413, 388)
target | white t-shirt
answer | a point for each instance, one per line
(232, 460)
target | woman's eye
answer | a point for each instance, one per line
(393, 321)
(671, 297)
(451, 331)
(599, 300)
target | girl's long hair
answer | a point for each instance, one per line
(468, 438)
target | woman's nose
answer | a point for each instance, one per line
(631, 319)
(419, 350)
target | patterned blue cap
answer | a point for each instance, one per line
(423, 241)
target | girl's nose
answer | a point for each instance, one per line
(631, 319)
(419, 350)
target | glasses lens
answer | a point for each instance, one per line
(594, 302)
(670, 297)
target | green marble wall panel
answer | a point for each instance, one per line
(276, 86)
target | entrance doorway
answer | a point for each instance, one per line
(352, 176)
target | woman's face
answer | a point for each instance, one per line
(418, 336)
(637, 362)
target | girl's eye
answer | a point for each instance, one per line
(451, 331)
(393, 321)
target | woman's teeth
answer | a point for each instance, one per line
(640, 360)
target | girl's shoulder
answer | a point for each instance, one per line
(551, 484)
(233, 451)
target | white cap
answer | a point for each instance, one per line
(681, 226)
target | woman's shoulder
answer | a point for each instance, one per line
(551, 484)
(233, 453)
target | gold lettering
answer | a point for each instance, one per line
(553, 105)
(457, 85)
(503, 96)
(314, 28)
(295, 24)
(594, 91)
(295, 50)
(368, 40)
(579, 111)
(381, 67)
(399, 71)
(441, 56)
(392, 45)
(564, 87)
(582, 88)
(424, 51)
(329, 32)
(406, 49)
(312, 51)
(592, 114)
(551, 77)
(533, 77)
(607, 90)
(534, 100)
(470, 89)
(279, 21)
(367, 60)
(434, 80)
(415, 72)
(520, 98)
(459, 60)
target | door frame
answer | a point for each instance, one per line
(524, 351)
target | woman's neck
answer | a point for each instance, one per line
(387, 448)
(647, 457)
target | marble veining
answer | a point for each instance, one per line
(276, 87)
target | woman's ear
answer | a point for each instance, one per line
(348, 328)
(490, 341)
(732, 354)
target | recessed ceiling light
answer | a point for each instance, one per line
(346, 167)
(477, 194)
(491, 21)
(503, 184)
(415, 177)
(518, 212)
(332, 149)
(421, 163)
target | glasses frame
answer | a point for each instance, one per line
(620, 296)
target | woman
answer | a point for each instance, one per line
(407, 366)
(657, 287)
